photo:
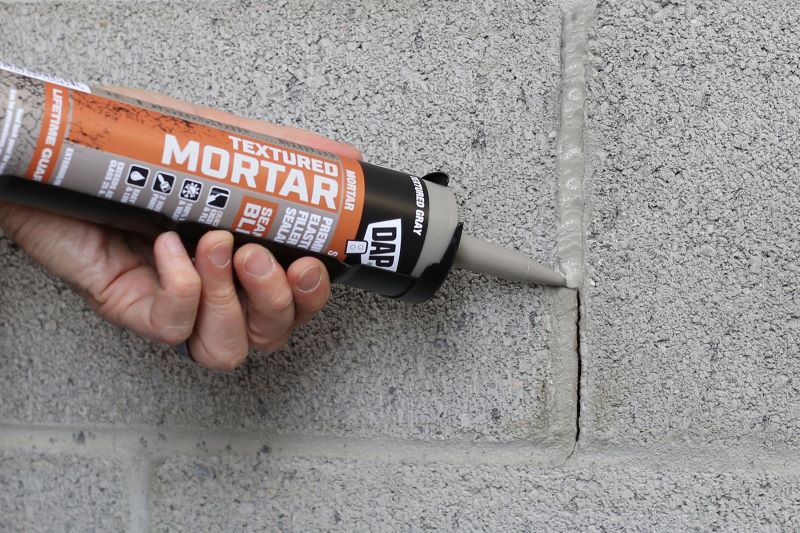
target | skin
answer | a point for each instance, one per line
(156, 291)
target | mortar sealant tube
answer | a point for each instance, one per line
(103, 157)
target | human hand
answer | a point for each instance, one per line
(159, 293)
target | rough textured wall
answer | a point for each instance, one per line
(645, 147)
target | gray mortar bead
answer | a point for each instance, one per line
(691, 310)
(418, 87)
(60, 492)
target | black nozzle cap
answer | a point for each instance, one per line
(434, 275)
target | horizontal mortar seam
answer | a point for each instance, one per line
(88, 2)
(158, 443)
(126, 445)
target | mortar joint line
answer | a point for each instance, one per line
(135, 445)
(571, 171)
(141, 470)
(579, 378)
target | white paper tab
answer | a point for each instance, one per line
(22, 71)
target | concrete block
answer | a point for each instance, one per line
(690, 304)
(259, 492)
(417, 86)
(61, 492)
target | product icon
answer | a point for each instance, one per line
(190, 190)
(163, 183)
(218, 197)
(137, 176)
(356, 247)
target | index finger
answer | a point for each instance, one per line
(305, 137)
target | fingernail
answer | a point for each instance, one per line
(259, 263)
(174, 245)
(220, 255)
(309, 279)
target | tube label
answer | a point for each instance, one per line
(192, 169)
(183, 166)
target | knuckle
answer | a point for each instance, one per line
(173, 335)
(282, 301)
(219, 359)
(258, 336)
(222, 294)
(259, 341)
(263, 344)
(227, 364)
(227, 360)
(187, 285)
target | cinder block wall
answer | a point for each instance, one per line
(649, 149)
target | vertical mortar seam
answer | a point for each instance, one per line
(578, 387)
(571, 170)
(139, 477)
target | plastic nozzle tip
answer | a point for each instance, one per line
(487, 258)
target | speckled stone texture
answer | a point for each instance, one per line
(62, 492)
(255, 493)
(416, 86)
(457, 415)
(690, 305)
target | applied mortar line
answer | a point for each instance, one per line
(571, 161)
(562, 348)
(139, 476)
(571, 170)
(145, 447)
(720, 458)
(160, 443)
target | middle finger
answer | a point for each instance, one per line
(270, 309)
(220, 337)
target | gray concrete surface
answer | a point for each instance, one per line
(414, 86)
(691, 310)
(61, 492)
(679, 136)
(255, 493)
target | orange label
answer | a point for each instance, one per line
(51, 136)
(255, 217)
(284, 172)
